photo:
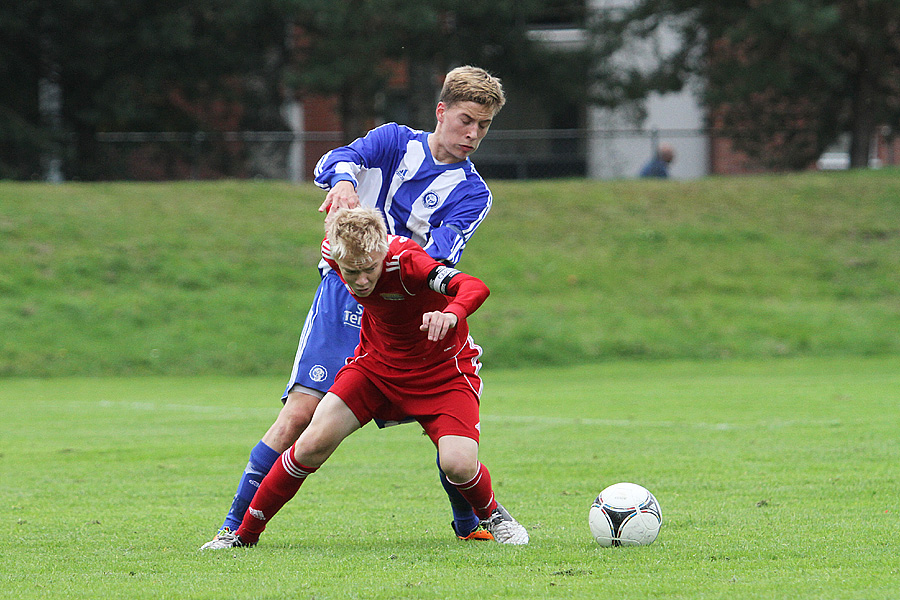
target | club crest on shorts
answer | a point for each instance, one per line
(318, 373)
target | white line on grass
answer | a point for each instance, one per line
(658, 424)
(232, 411)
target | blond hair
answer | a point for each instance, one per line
(355, 234)
(472, 84)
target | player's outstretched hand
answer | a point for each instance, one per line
(342, 195)
(437, 324)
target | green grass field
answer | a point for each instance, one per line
(777, 479)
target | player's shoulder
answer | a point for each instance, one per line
(406, 130)
(408, 260)
(391, 138)
(403, 248)
(326, 249)
(395, 131)
(397, 244)
(473, 176)
(473, 186)
(327, 256)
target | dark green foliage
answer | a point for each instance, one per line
(353, 48)
(228, 65)
(139, 66)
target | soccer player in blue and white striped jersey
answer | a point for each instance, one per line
(428, 190)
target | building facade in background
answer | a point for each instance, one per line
(528, 140)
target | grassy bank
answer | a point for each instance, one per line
(205, 278)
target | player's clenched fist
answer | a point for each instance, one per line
(437, 324)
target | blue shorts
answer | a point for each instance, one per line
(330, 335)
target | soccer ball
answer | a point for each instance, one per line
(625, 514)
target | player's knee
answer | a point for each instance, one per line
(459, 467)
(298, 411)
(293, 419)
(314, 447)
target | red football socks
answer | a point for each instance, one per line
(279, 486)
(478, 492)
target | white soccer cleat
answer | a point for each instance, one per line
(505, 529)
(225, 539)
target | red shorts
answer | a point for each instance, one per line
(443, 398)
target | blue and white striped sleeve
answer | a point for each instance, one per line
(345, 163)
(337, 165)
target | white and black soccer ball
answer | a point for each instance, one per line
(625, 514)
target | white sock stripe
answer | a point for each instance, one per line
(474, 483)
(291, 467)
(470, 483)
(491, 501)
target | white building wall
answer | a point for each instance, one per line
(619, 144)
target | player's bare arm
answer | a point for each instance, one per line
(437, 324)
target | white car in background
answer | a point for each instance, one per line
(840, 161)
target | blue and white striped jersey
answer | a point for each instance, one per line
(438, 206)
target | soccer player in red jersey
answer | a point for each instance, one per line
(415, 359)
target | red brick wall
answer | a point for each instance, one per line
(320, 115)
(725, 160)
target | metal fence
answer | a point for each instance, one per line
(522, 154)
(504, 154)
(212, 155)
(533, 154)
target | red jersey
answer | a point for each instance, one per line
(412, 284)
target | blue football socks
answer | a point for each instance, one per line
(464, 519)
(262, 457)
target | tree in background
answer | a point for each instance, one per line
(113, 65)
(76, 69)
(499, 36)
(782, 78)
(22, 138)
(353, 49)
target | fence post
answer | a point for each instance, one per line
(196, 140)
(292, 110)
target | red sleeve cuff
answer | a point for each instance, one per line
(457, 310)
